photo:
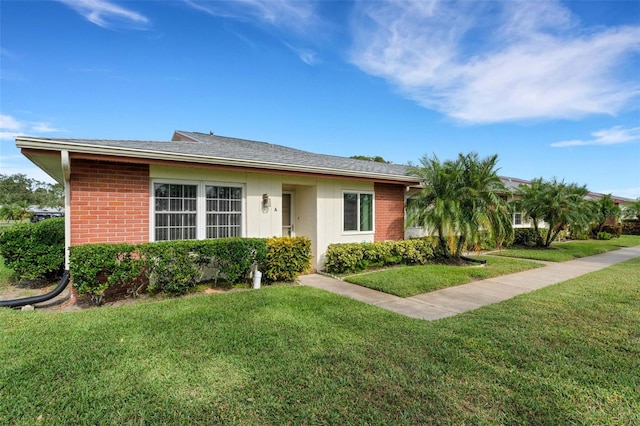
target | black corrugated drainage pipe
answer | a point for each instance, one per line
(469, 259)
(15, 303)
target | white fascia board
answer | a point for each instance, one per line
(54, 145)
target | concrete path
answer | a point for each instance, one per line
(466, 297)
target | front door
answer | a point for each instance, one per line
(288, 228)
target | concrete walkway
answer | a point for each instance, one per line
(466, 297)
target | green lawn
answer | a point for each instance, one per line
(567, 354)
(411, 280)
(563, 251)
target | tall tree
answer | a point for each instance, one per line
(458, 199)
(19, 189)
(15, 188)
(560, 205)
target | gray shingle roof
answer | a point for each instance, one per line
(215, 149)
(277, 154)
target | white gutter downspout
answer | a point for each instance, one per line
(66, 171)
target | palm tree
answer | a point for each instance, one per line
(435, 208)
(481, 204)
(459, 199)
(604, 210)
(559, 204)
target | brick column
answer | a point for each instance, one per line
(389, 211)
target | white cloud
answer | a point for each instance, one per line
(293, 15)
(612, 136)
(484, 62)
(308, 56)
(107, 14)
(9, 123)
(288, 16)
(10, 127)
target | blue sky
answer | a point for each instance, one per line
(552, 87)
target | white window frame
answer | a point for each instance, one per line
(373, 212)
(201, 205)
(520, 216)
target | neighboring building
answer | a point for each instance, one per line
(201, 186)
(42, 213)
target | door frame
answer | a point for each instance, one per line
(292, 210)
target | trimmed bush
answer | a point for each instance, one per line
(97, 267)
(34, 250)
(631, 227)
(287, 258)
(525, 237)
(353, 257)
(604, 236)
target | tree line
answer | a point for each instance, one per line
(19, 193)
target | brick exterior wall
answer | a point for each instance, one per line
(109, 202)
(389, 212)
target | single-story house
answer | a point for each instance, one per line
(199, 186)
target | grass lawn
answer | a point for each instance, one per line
(563, 251)
(567, 354)
(412, 280)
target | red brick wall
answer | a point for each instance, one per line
(389, 212)
(109, 202)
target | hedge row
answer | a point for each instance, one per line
(174, 267)
(34, 250)
(631, 227)
(353, 257)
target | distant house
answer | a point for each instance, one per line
(200, 186)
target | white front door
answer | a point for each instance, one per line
(288, 227)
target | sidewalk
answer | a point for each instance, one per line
(466, 297)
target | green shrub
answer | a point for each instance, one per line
(175, 267)
(287, 257)
(353, 257)
(231, 259)
(604, 236)
(343, 258)
(526, 237)
(96, 267)
(614, 230)
(487, 242)
(631, 227)
(172, 267)
(34, 250)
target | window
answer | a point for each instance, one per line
(175, 211)
(224, 211)
(197, 211)
(357, 212)
(517, 218)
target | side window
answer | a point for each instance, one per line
(357, 209)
